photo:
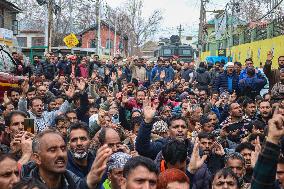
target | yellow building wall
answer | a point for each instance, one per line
(203, 55)
(256, 50)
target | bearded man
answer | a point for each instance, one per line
(80, 160)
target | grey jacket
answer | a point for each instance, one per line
(47, 118)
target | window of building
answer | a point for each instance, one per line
(92, 43)
(1, 18)
(22, 41)
(37, 41)
(109, 44)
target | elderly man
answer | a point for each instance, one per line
(227, 81)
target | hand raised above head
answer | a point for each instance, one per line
(99, 166)
(196, 161)
(275, 128)
(148, 110)
(269, 56)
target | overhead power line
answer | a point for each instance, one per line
(269, 12)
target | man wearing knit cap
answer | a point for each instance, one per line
(115, 167)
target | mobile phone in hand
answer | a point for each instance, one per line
(29, 125)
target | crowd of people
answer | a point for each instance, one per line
(89, 122)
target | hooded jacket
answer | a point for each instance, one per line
(203, 78)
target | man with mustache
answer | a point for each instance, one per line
(235, 124)
(273, 74)
(177, 130)
(265, 112)
(80, 160)
(50, 160)
(246, 149)
(213, 150)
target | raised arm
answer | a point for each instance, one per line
(264, 173)
(143, 144)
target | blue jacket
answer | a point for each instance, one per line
(149, 149)
(243, 74)
(221, 82)
(155, 75)
(185, 74)
(170, 74)
(252, 84)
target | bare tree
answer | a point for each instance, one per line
(31, 15)
(141, 28)
(129, 19)
(252, 10)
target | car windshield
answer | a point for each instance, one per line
(6, 61)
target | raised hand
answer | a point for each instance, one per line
(275, 129)
(113, 77)
(213, 101)
(196, 161)
(169, 85)
(124, 148)
(148, 110)
(162, 75)
(26, 147)
(94, 74)
(119, 73)
(189, 108)
(269, 56)
(256, 152)
(107, 71)
(5, 98)
(218, 149)
(124, 99)
(70, 92)
(25, 86)
(99, 166)
(81, 84)
(15, 144)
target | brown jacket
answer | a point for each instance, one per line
(273, 75)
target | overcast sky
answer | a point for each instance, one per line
(176, 12)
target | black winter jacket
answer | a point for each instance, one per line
(69, 179)
(221, 82)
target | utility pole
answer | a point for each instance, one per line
(46, 29)
(97, 25)
(50, 23)
(70, 16)
(180, 29)
(114, 41)
(231, 30)
(202, 20)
